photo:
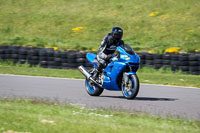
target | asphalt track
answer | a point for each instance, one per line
(159, 100)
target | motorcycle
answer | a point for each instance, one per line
(119, 75)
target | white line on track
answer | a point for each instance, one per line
(84, 79)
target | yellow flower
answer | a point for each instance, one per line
(55, 48)
(153, 14)
(196, 50)
(94, 50)
(78, 29)
(164, 16)
(150, 51)
(172, 50)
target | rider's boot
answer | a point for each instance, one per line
(97, 71)
(96, 74)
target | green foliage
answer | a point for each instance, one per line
(50, 23)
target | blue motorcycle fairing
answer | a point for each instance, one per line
(111, 73)
(91, 58)
(125, 57)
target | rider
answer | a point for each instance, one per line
(107, 49)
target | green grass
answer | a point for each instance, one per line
(146, 75)
(50, 22)
(29, 116)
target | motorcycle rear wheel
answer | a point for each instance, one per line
(132, 90)
(92, 89)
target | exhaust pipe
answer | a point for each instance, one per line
(84, 72)
(87, 75)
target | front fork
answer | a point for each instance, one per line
(126, 78)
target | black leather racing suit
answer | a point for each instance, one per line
(107, 48)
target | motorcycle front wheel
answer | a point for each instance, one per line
(131, 90)
(92, 89)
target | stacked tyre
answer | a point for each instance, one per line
(194, 64)
(166, 61)
(71, 59)
(33, 56)
(175, 63)
(81, 58)
(50, 54)
(58, 60)
(157, 60)
(43, 60)
(23, 55)
(184, 63)
(149, 60)
(64, 60)
(15, 53)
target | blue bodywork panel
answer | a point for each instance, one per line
(90, 57)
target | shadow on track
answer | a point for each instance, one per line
(144, 98)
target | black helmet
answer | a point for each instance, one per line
(117, 33)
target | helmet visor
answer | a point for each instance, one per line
(117, 36)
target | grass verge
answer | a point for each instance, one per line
(44, 117)
(146, 75)
(81, 24)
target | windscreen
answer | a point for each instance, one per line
(128, 49)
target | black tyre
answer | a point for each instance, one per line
(15, 56)
(157, 66)
(175, 63)
(81, 55)
(50, 58)
(193, 57)
(57, 59)
(43, 58)
(23, 51)
(34, 57)
(183, 57)
(167, 57)
(195, 73)
(2, 51)
(174, 57)
(183, 63)
(158, 61)
(149, 62)
(43, 63)
(22, 61)
(80, 60)
(22, 56)
(194, 68)
(184, 68)
(149, 56)
(71, 55)
(71, 60)
(166, 66)
(194, 63)
(157, 56)
(166, 62)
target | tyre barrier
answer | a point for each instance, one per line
(49, 58)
